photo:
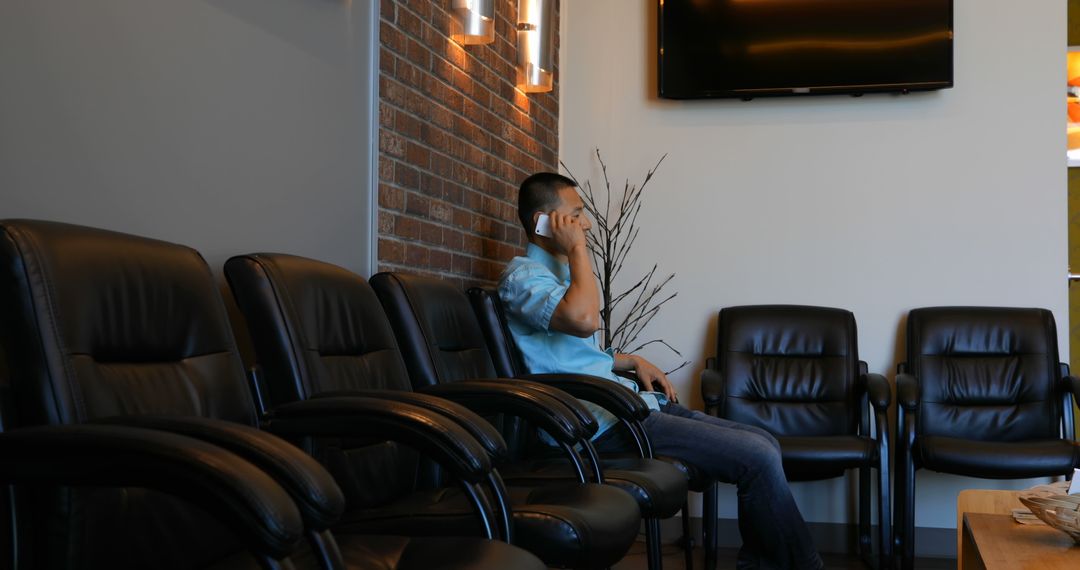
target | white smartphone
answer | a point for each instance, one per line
(543, 225)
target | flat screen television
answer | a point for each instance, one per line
(756, 48)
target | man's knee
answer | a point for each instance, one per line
(769, 438)
(761, 456)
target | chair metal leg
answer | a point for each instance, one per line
(326, 550)
(710, 510)
(268, 563)
(884, 518)
(653, 545)
(865, 541)
(687, 539)
(908, 555)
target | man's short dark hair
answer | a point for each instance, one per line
(540, 193)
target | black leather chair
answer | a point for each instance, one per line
(444, 344)
(234, 492)
(650, 481)
(795, 371)
(320, 331)
(112, 333)
(982, 394)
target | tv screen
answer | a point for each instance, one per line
(754, 48)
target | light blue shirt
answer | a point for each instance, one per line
(530, 288)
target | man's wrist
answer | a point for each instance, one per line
(629, 362)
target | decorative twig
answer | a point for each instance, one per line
(610, 241)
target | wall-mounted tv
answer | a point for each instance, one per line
(756, 48)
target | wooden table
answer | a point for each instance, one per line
(997, 542)
(981, 501)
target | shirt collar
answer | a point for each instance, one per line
(559, 269)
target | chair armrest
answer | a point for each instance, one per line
(588, 421)
(480, 429)
(506, 397)
(622, 402)
(712, 387)
(877, 388)
(241, 495)
(311, 487)
(1071, 385)
(907, 392)
(431, 434)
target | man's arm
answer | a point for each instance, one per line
(578, 313)
(647, 375)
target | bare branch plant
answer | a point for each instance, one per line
(613, 234)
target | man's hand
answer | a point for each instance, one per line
(648, 376)
(566, 232)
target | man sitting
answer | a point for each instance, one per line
(552, 305)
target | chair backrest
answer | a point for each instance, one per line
(320, 328)
(789, 369)
(436, 329)
(98, 324)
(503, 350)
(985, 373)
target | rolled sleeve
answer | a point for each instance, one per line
(531, 296)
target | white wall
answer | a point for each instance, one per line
(876, 204)
(227, 125)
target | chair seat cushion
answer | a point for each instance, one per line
(658, 487)
(429, 553)
(405, 553)
(567, 525)
(996, 460)
(575, 525)
(825, 457)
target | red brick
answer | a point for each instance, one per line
(391, 38)
(461, 264)
(407, 125)
(416, 255)
(406, 176)
(441, 212)
(417, 156)
(386, 223)
(431, 233)
(453, 239)
(417, 204)
(440, 260)
(406, 227)
(386, 169)
(390, 143)
(391, 197)
(418, 54)
(391, 251)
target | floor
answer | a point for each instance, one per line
(674, 560)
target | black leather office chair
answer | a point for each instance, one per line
(319, 330)
(652, 482)
(112, 329)
(982, 394)
(795, 371)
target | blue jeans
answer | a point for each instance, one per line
(773, 531)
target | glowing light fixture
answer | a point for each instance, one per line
(472, 22)
(536, 38)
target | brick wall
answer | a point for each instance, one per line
(455, 140)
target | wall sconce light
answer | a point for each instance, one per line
(536, 38)
(472, 22)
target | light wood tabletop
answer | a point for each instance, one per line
(991, 501)
(997, 542)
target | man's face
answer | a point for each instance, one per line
(570, 203)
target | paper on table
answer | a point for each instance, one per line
(1074, 488)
